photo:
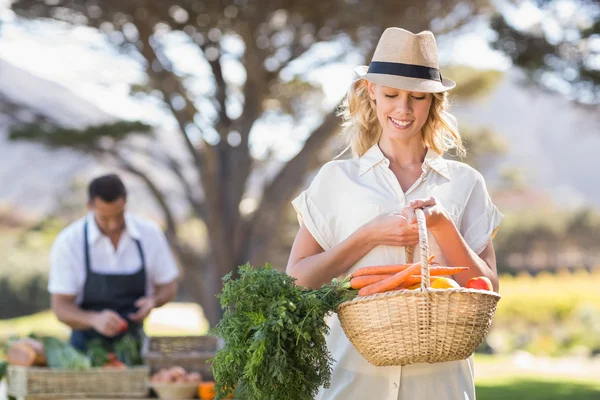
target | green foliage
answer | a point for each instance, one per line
(24, 266)
(560, 59)
(3, 366)
(85, 139)
(543, 239)
(548, 314)
(472, 83)
(274, 334)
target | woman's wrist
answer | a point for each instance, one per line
(442, 224)
(365, 236)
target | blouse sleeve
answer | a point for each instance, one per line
(481, 218)
(313, 207)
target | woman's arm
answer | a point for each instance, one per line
(312, 267)
(458, 253)
(455, 248)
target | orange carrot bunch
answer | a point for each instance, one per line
(383, 278)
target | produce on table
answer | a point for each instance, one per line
(26, 352)
(3, 366)
(175, 374)
(61, 355)
(57, 354)
(126, 350)
(206, 391)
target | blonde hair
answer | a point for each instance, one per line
(362, 129)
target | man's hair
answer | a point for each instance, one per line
(107, 187)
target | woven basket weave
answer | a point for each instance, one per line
(189, 352)
(418, 326)
(96, 382)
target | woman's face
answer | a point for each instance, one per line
(401, 113)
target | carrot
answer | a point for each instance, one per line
(381, 270)
(389, 283)
(386, 269)
(360, 282)
(435, 271)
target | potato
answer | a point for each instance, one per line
(177, 374)
(193, 377)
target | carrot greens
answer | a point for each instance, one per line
(274, 335)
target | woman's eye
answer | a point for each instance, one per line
(418, 98)
(391, 96)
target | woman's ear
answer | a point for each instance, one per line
(371, 90)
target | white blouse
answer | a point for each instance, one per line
(344, 195)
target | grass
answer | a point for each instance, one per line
(536, 388)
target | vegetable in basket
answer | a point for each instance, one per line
(274, 330)
(274, 334)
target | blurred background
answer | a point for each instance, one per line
(217, 113)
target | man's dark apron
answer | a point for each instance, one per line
(113, 292)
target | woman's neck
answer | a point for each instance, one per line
(403, 154)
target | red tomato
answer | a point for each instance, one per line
(124, 326)
(480, 282)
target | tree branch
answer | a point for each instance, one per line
(224, 123)
(279, 192)
(171, 230)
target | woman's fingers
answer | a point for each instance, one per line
(421, 203)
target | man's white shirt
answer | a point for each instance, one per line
(67, 257)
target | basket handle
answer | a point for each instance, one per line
(424, 246)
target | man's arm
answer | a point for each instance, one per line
(106, 322)
(162, 295)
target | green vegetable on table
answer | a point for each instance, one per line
(274, 333)
(127, 349)
(3, 366)
(61, 355)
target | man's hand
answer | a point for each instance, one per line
(108, 323)
(144, 305)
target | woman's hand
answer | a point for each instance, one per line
(435, 214)
(392, 229)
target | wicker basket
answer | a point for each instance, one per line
(173, 391)
(189, 352)
(418, 326)
(96, 382)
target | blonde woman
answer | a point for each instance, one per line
(357, 212)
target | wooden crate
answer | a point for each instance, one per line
(96, 382)
(189, 352)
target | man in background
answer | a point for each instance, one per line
(110, 268)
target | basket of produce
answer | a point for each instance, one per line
(437, 321)
(191, 353)
(176, 383)
(49, 366)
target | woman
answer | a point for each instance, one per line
(358, 212)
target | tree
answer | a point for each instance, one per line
(557, 51)
(275, 45)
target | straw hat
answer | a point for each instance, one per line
(407, 61)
